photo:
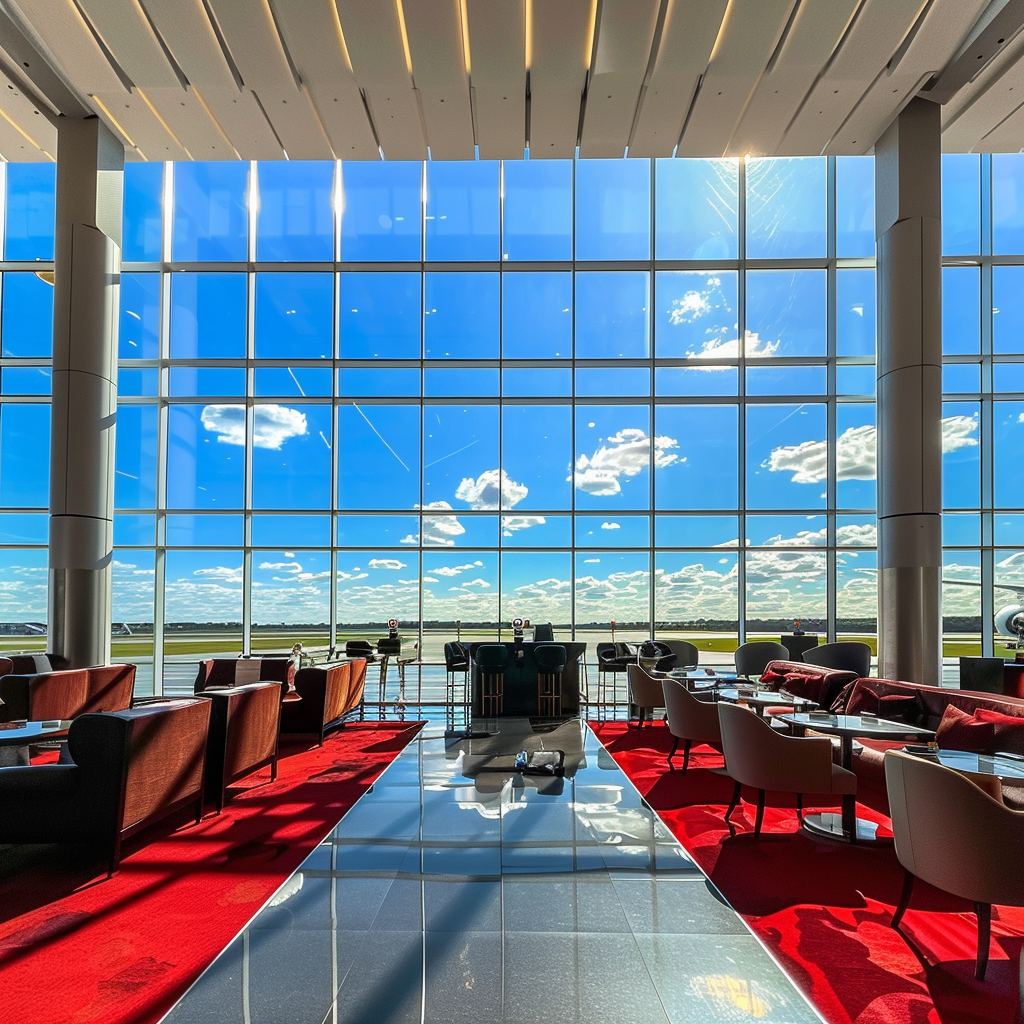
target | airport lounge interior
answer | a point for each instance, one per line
(532, 487)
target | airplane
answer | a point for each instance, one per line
(1009, 620)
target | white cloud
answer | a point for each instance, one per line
(610, 526)
(272, 424)
(438, 531)
(220, 572)
(856, 452)
(729, 348)
(509, 524)
(483, 584)
(386, 563)
(692, 306)
(282, 566)
(491, 490)
(623, 454)
(455, 570)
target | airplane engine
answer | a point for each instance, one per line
(1010, 620)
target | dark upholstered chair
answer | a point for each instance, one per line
(846, 655)
(33, 664)
(543, 633)
(682, 654)
(130, 770)
(324, 695)
(491, 662)
(245, 723)
(360, 649)
(753, 657)
(645, 693)
(220, 672)
(689, 719)
(66, 694)
(550, 659)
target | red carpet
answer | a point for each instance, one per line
(76, 948)
(824, 908)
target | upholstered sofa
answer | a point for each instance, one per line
(219, 672)
(67, 693)
(924, 706)
(128, 770)
(815, 682)
(324, 696)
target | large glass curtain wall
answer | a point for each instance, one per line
(600, 392)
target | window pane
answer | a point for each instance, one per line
(380, 316)
(961, 456)
(208, 316)
(613, 530)
(461, 316)
(292, 588)
(31, 208)
(381, 213)
(462, 210)
(855, 206)
(1007, 310)
(785, 313)
(613, 456)
(613, 382)
(210, 531)
(25, 456)
(615, 587)
(785, 585)
(294, 316)
(205, 456)
(961, 204)
(293, 381)
(379, 383)
(696, 314)
(613, 209)
(786, 207)
(26, 380)
(855, 312)
(211, 219)
(696, 204)
(855, 456)
(1007, 444)
(538, 210)
(136, 459)
(536, 445)
(379, 461)
(27, 326)
(612, 316)
(536, 316)
(23, 594)
(786, 456)
(207, 381)
(374, 586)
(1008, 203)
(961, 307)
(142, 226)
(537, 586)
(291, 458)
(290, 530)
(698, 465)
(786, 380)
(696, 590)
(139, 333)
(461, 587)
(857, 594)
(296, 220)
(696, 531)
(205, 588)
(460, 457)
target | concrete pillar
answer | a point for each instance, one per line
(908, 232)
(87, 265)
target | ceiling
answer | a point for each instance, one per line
(355, 79)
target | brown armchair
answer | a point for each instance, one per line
(220, 672)
(645, 692)
(130, 769)
(689, 719)
(67, 693)
(325, 695)
(245, 724)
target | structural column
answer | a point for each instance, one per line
(87, 261)
(908, 233)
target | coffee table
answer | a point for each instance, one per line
(847, 826)
(759, 700)
(15, 738)
(976, 764)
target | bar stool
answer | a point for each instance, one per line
(491, 660)
(456, 662)
(550, 659)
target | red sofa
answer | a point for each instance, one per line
(815, 682)
(66, 694)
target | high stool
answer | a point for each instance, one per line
(550, 659)
(491, 660)
(456, 663)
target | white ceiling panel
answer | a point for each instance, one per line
(129, 37)
(434, 28)
(749, 35)
(142, 125)
(877, 32)
(66, 37)
(251, 35)
(687, 38)
(297, 125)
(812, 38)
(625, 33)
(195, 129)
(1006, 137)
(312, 33)
(374, 39)
(497, 34)
(448, 119)
(185, 27)
(396, 116)
(26, 115)
(14, 146)
(944, 28)
(560, 48)
(242, 120)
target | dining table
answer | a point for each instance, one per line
(16, 737)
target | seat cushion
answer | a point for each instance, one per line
(1009, 731)
(961, 731)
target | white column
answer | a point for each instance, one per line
(908, 232)
(87, 265)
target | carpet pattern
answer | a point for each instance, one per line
(76, 948)
(824, 909)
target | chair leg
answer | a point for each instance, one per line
(735, 800)
(984, 913)
(672, 752)
(686, 755)
(800, 808)
(760, 812)
(901, 907)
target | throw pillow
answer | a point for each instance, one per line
(899, 707)
(961, 731)
(863, 701)
(1009, 730)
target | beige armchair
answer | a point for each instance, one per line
(644, 691)
(956, 836)
(758, 756)
(689, 719)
